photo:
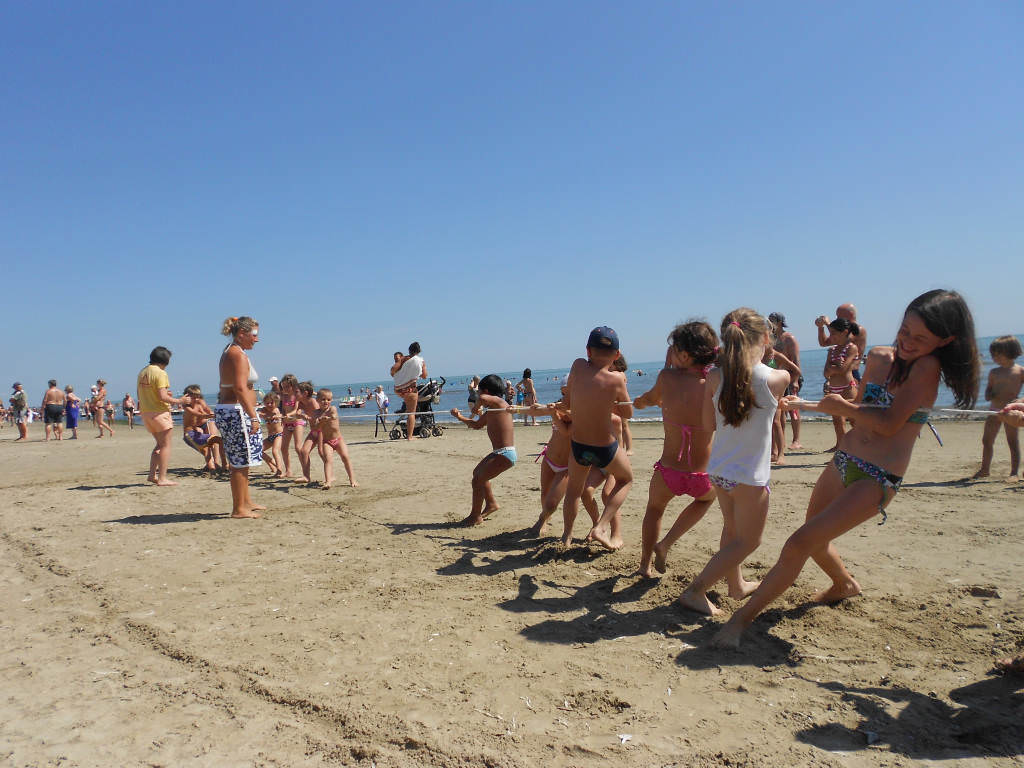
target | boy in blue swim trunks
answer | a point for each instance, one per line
(200, 433)
(495, 414)
(594, 393)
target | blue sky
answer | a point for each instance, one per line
(491, 179)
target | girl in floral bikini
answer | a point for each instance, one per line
(841, 361)
(935, 341)
(682, 469)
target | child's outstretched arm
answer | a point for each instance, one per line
(478, 423)
(990, 392)
(623, 406)
(651, 397)
(787, 364)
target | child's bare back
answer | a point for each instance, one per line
(593, 394)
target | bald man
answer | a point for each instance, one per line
(847, 312)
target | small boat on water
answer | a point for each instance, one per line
(352, 401)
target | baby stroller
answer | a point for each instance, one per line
(429, 394)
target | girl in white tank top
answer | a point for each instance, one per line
(743, 395)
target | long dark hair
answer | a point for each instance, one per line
(945, 314)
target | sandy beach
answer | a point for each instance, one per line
(141, 626)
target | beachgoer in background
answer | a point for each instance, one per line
(840, 362)
(627, 436)
(99, 403)
(109, 408)
(529, 392)
(307, 406)
(775, 359)
(199, 432)
(71, 411)
(381, 398)
(1003, 387)
(682, 469)
(294, 424)
(786, 343)
(155, 401)
(275, 385)
(474, 391)
(743, 395)
(128, 406)
(594, 393)
(236, 415)
(846, 312)
(53, 411)
(405, 372)
(274, 420)
(935, 342)
(327, 430)
(510, 392)
(19, 410)
(497, 417)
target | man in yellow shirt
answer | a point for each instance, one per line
(155, 401)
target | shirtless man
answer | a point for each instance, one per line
(786, 343)
(53, 411)
(594, 393)
(847, 312)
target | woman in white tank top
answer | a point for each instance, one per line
(743, 395)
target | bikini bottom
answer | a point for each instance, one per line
(694, 484)
(851, 469)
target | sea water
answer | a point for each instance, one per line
(640, 378)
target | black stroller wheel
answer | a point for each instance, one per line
(423, 432)
(395, 434)
(437, 431)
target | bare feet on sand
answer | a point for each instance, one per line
(660, 558)
(162, 483)
(698, 601)
(745, 589)
(648, 573)
(603, 537)
(1011, 665)
(794, 446)
(837, 592)
(540, 527)
(246, 513)
(727, 637)
(980, 474)
(476, 519)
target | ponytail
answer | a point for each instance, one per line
(742, 330)
(235, 325)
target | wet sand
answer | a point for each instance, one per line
(141, 626)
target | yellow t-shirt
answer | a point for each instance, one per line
(152, 379)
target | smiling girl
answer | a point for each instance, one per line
(935, 341)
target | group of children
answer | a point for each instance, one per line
(720, 401)
(286, 411)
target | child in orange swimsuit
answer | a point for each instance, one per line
(682, 469)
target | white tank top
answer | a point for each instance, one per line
(743, 454)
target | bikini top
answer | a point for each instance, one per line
(685, 433)
(879, 394)
(837, 355)
(253, 376)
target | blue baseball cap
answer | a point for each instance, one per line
(603, 337)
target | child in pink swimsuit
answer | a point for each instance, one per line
(326, 435)
(682, 469)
